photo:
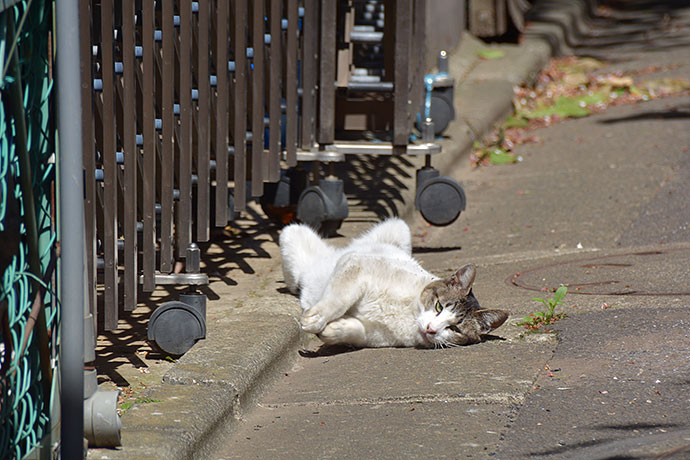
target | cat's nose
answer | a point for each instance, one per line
(430, 330)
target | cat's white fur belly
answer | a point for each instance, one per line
(373, 293)
(390, 306)
(385, 298)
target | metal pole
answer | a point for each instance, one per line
(71, 220)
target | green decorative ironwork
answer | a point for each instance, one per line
(29, 312)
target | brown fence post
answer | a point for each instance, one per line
(110, 170)
(257, 82)
(203, 133)
(327, 72)
(89, 153)
(291, 114)
(131, 152)
(184, 205)
(274, 97)
(403, 45)
(150, 144)
(240, 108)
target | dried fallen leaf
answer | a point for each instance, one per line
(616, 81)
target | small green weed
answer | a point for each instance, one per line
(491, 53)
(536, 320)
(124, 406)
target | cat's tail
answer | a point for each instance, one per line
(301, 248)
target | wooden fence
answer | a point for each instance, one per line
(191, 106)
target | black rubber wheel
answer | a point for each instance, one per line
(441, 200)
(175, 327)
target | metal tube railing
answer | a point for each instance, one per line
(71, 230)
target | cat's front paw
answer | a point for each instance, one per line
(312, 322)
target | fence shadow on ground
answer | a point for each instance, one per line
(374, 187)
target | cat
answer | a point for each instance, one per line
(373, 293)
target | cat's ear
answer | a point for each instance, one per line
(463, 278)
(490, 318)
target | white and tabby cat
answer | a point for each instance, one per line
(372, 293)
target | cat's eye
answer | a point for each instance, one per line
(438, 307)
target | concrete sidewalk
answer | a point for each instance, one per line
(519, 219)
(185, 407)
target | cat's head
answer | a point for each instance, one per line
(451, 314)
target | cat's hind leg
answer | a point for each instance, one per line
(345, 330)
(392, 231)
(345, 288)
(300, 247)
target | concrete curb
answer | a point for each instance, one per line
(196, 404)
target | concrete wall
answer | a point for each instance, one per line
(445, 22)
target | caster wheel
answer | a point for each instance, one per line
(442, 113)
(441, 200)
(279, 200)
(323, 207)
(175, 327)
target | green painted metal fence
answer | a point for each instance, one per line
(29, 312)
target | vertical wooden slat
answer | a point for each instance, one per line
(418, 58)
(149, 148)
(258, 97)
(131, 273)
(110, 314)
(221, 141)
(389, 41)
(240, 128)
(89, 153)
(403, 39)
(168, 120)
(275, 77)
(291, 84)
(184, 206)
(204, 123)
(310, 30)
(327, 73)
